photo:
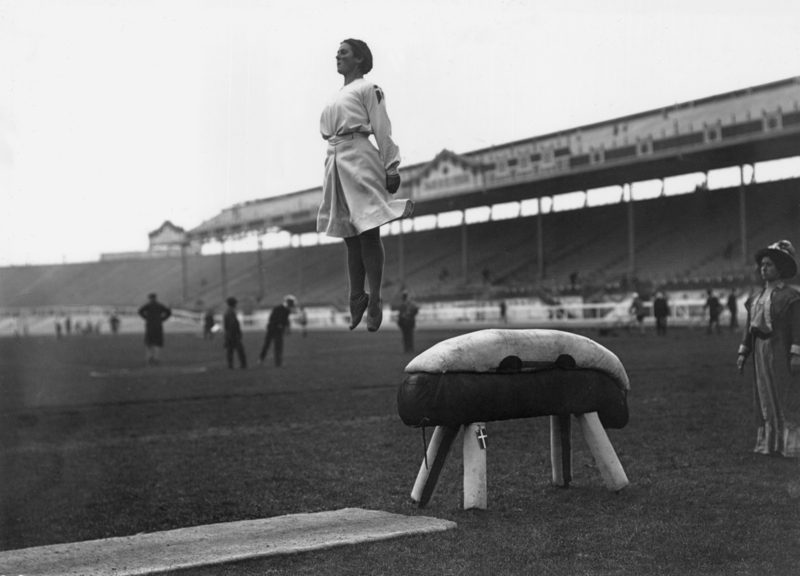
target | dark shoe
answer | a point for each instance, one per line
(358, 306)
(374, 322)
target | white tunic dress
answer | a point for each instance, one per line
(354, 195)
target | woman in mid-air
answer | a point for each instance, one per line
(772, 337)
(360, 179)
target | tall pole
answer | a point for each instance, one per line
(223, 271)
(260, 271)
(184, 277)
(400, 256)
(742, 216)
(631, 237)
(540, 237)
(464, 254)
(300, 271)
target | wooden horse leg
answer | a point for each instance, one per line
(475, 466)
(561, 449)
(603, 452)
(438, 449)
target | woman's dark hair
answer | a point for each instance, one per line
(361, 50)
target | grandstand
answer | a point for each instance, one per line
(680, 239)
(738, 128)
(703, 237)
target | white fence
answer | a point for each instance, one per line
(689, 312)
(520, 313)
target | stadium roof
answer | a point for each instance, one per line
(735, 128)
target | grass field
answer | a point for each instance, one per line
(93, 444)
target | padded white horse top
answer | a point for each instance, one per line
(482, 352)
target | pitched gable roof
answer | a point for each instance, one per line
(457, 159)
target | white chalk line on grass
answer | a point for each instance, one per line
(148, 371)
(172, 437)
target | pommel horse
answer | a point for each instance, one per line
(493, 375)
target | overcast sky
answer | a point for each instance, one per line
(118, 115)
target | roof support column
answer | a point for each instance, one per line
(184, 275)
(223, 270)
(742, 216)
(260, 271)
(401, 272)
(299, 252)
(631, 235)
(464, 253)
(540, 238)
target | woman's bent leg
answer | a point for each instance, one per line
(357, 274)
(373, 257)
(355, 266)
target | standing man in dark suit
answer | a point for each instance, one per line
(714, 310)
(407, 320)
(154, 314)
(661, 312)
(233, 335)
(278, 322)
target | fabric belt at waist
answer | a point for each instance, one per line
(339, 138)
(759, 334)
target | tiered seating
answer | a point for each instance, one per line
(693, 236)
(675, 235)
(426, 254)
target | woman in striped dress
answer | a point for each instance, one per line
(772, 337)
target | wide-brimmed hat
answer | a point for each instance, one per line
(782, 253)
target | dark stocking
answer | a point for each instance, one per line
(365, 258)
(355, 266)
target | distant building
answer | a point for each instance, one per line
(169, 238)
(166, 241)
